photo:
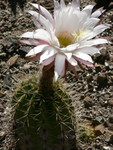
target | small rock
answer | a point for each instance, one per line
(90, 87)
(109, 136)
(1, 48)
(102, 79)
(89, 78)
(106, 124)
(1, 108)
(103, 102)
(111, 17)
(106, 96)
(111, 78)
(99, 129)
(12, 60)
(97, 121)
(88, 102)
(106, 148)
(2, 54)
(110, 102)
(26, 66)
(111, 139)
(2, 135)
(110, 127)
(82, 96)
(106, 64)
(111, 119)
(1, 94)
(98, 68)
(7, 79)
(100, 58)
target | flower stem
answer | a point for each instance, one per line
(46, 82)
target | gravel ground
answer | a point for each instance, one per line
(93, 91)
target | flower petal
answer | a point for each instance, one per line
(68, 55)
(72, 47)
(87, 63)
(47, 67)
(69, 24)
(44, 12)
(28, 35)
(47, 54)
(93, 42)
(42, 20)
(97, 30)
(73, 69)
(91, 23)
(75, 4)
(36, 23)
(72, 61)
(59, 65)
(56, 5)
(33, 42)
(88, 9)
(40, 34)
(34, 57)
(63, 73)
(62, 3)
(48, 61)
(88, 50)
(29, 42)
(83, 56)
(97, 13)
(36, 50)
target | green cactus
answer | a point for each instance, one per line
(86, 132)
(43, 120)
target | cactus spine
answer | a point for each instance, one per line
(43, 115)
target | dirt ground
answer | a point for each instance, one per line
(93, 91)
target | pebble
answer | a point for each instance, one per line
(109, 136)
(1, 48)
(106, 148)
(97, 121)
(89, 78)
(98, 68)
(26, 66)
(2, 54)
(111, 18)
(7, 79)
(88, 102)
(110, 127)
(2, 135)
(102, 79)
(11, 61)
(111, 119)
(110, 102)
(99, 129)
(2, 94)
(100, 58)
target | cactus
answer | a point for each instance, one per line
(86, 132)
(43, 116)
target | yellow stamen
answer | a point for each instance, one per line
(65, 39)
(78, 34)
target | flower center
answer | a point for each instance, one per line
(78, 35)
(66, 39)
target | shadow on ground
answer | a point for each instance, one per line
(13, 5)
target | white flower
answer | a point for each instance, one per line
(66, 39)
